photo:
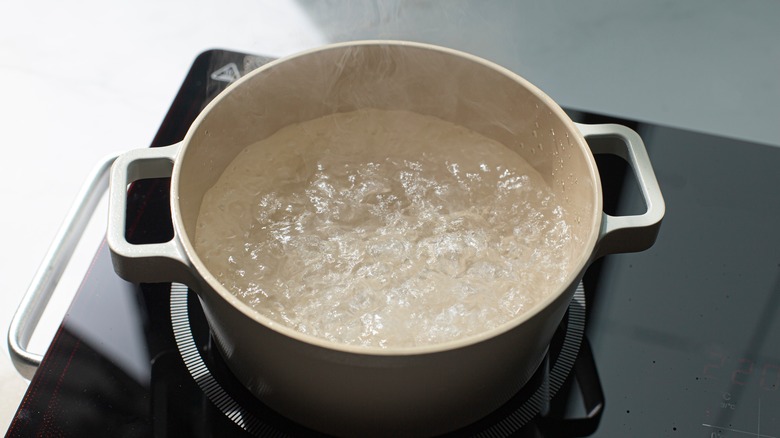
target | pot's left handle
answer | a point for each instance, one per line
(143, 263)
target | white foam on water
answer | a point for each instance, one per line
(384, 228)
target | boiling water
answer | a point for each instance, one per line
(384, 228)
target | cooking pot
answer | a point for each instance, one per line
(355, 390)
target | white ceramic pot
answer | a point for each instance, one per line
(351, 390)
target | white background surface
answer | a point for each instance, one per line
(83, 79)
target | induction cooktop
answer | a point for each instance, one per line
(680, 340)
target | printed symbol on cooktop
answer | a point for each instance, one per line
(721, 431)
(227, 73)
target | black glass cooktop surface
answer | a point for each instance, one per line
(680, 340)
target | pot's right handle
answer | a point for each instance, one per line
(631, 233)
(143, 263)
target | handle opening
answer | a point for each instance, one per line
(148, 194)
(620, 190)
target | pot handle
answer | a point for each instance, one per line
(632, 233)
(143, 263)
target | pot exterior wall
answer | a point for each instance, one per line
(349, 394)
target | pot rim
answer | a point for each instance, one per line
(579, 264)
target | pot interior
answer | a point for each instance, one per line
(450, 85)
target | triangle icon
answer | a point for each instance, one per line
(227, 73)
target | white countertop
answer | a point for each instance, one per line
(85, 79)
